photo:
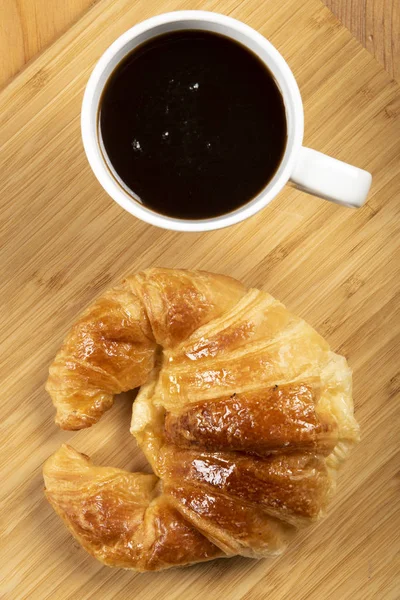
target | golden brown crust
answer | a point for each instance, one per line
(176, 541)
(244, 413)
(234, 526)
(294, 487)
(282, 418)
(179, 302)
(109, 350)
(118, 516)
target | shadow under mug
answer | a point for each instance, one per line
(306, 169)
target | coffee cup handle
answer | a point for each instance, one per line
(331, 179)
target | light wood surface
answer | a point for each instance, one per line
(64, 241)
(29, 26)
(376, 24)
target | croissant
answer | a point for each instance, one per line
(244, 414)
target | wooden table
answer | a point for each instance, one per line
(28, 26)
(63, 241)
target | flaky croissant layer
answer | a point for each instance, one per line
(244, 414)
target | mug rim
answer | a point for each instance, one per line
(99, 165)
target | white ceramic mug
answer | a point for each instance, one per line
(306, 169)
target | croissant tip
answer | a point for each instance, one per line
(72, 421)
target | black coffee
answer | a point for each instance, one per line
(193, 123)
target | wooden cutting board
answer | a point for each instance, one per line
(63, 240)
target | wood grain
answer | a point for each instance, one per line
(63, 241)
(29, 26)
(376, 24)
